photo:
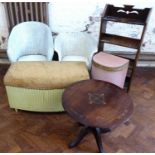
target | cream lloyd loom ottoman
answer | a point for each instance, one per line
(38, 86)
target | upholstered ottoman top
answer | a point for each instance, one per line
(45, 75)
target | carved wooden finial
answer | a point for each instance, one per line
(128, 9)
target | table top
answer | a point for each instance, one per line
(97, 103)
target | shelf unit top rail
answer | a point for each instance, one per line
(127, 13)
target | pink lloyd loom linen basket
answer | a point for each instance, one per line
(110, 68)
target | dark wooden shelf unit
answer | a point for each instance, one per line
(128, 15)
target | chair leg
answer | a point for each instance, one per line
(16, 110)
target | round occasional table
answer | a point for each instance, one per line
(98, 106)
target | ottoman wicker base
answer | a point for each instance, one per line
(38, 86)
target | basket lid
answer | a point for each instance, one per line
(109, 61)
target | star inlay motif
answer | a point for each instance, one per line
(96, 98)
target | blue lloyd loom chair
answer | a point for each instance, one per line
(30, 41)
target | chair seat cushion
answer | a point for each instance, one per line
(76, 58)
(33, 58)
(45, 75)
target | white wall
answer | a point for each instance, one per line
(3, 23)
(74, 15)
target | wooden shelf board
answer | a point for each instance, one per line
(120, 40)
(123, 20)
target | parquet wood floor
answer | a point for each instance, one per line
(51, 132)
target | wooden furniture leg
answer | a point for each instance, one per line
(82, 134)
(97, 134)
(95, 131)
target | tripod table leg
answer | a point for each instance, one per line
(97, 134)
(83, 132)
